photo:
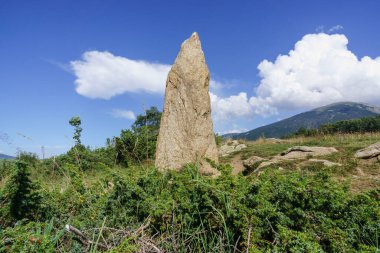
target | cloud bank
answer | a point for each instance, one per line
(104, 75)
(319, 70)
(230, 107)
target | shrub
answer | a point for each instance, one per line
(30, 237)
(21, 195)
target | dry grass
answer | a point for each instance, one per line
(359, 174)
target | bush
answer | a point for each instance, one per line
(21, 196)
(291, 212)
(275, 212)
(30, 237)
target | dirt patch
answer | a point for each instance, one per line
(237, 164)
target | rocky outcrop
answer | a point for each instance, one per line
(256, 163)
(186, 131)
(275, 140)
(298, 152)
(253, 162)
(231, 147)
(369, 152)
(326, 163)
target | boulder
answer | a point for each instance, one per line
(231, 147)
(253, 162)
(369, 152)
(186, 131)
(240, 147)
(275, 140)
(235, 143)
(264, 164)
(225, 150)
(299, 152)
(325, 162)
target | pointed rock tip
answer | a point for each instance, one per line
(194, 34)
(194, 38)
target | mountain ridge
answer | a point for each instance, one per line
(4, 156)
(310, 119)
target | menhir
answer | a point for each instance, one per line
(186, 131)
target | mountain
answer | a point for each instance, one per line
(311, 119)
(2, 156)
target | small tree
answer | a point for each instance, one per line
(139, 143)
(22, 194)
(76, 122)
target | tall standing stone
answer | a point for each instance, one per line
(186, 130)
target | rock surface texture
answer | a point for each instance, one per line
(231, 147)
(186, 130)
(369, 152)
(255, 163)
(305, 151)
(326, 163)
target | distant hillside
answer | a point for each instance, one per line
(2, 156)
(311, 119)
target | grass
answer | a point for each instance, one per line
(359, 174)
(192, 213)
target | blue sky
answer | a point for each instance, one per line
(46, 78)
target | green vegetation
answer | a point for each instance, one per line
(310, 120)
(139, 143)
(363, 125)
(76, 122)
(121, 203)
(358, 174)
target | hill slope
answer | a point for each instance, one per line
(311, 119)
(2, 156)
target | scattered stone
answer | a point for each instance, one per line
(231, 147)
(207, 170)
(299, 152)
(369, 152)
(240, 147)
(267, 163)
(186, 131)
(275, 140)
(253, 162)
(235, 143)
(225, 150)
(325, 162)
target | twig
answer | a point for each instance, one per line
(274, 231)
(236, 243)
(141, 229)
(249, 238)
(83, 239)
(153, 246)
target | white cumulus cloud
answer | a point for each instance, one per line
(125, 114)
(318, 71)
(230, 107)
(104, 75)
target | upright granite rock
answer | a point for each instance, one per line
(186, 130)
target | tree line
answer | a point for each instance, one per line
(363, 125)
